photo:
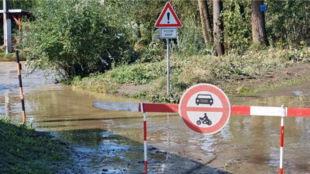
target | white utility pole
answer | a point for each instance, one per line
(7, 32)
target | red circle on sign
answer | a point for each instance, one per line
(225, 108)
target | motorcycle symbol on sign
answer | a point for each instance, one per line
(204, 120)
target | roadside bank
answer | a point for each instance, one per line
(238, 75)
(24, 150)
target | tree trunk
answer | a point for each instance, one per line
(258, 23)
(218, 27)
(138, 33)
(205, 21)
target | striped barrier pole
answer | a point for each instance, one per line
(145, 138)
(19, 68)
(282, 140)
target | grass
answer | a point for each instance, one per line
(23, 150)
(11, 57)
(187, 71)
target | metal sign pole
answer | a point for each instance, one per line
(168, 67)
(5, 27)
(7, 32)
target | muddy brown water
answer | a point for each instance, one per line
(112, 142)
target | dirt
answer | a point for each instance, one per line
(294, 71)
(131, 89)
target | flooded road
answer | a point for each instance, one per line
(112, 142)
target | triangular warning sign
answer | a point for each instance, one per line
(168, 18)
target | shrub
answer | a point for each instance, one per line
(73, 37)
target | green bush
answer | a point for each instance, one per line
(74, 37)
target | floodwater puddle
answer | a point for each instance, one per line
(112, 142)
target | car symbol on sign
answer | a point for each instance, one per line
(204, 99)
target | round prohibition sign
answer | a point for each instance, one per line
(205, 108)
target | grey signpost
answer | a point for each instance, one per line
(168, 22)
(168, 33)
(7, 27)
(168, 67)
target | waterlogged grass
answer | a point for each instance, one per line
(138, 74)
(187, 71)
(11, 57)
(23, 150)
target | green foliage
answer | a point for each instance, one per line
(71, 31)
(237, 22)
(21, 4)
(140, 15)
(138, 73)
(173, 97)
(78, 39)
(287, 23)
(140, 94)
(153, 53)
(190, 40)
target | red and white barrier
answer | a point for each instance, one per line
(174, 108)
(236, 110)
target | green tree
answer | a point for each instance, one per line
(287, 23)
(141, 15)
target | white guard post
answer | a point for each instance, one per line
(282, 140)
(145, 138)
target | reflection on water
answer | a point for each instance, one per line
(104, 149)
(114, 139)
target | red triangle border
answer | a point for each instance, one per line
(158, 25)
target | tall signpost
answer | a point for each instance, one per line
(168, 22)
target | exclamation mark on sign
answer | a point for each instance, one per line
(168, 16)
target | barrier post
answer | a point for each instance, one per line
(282, 140)
(145, 138)
(7, 104)
(19, 68)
